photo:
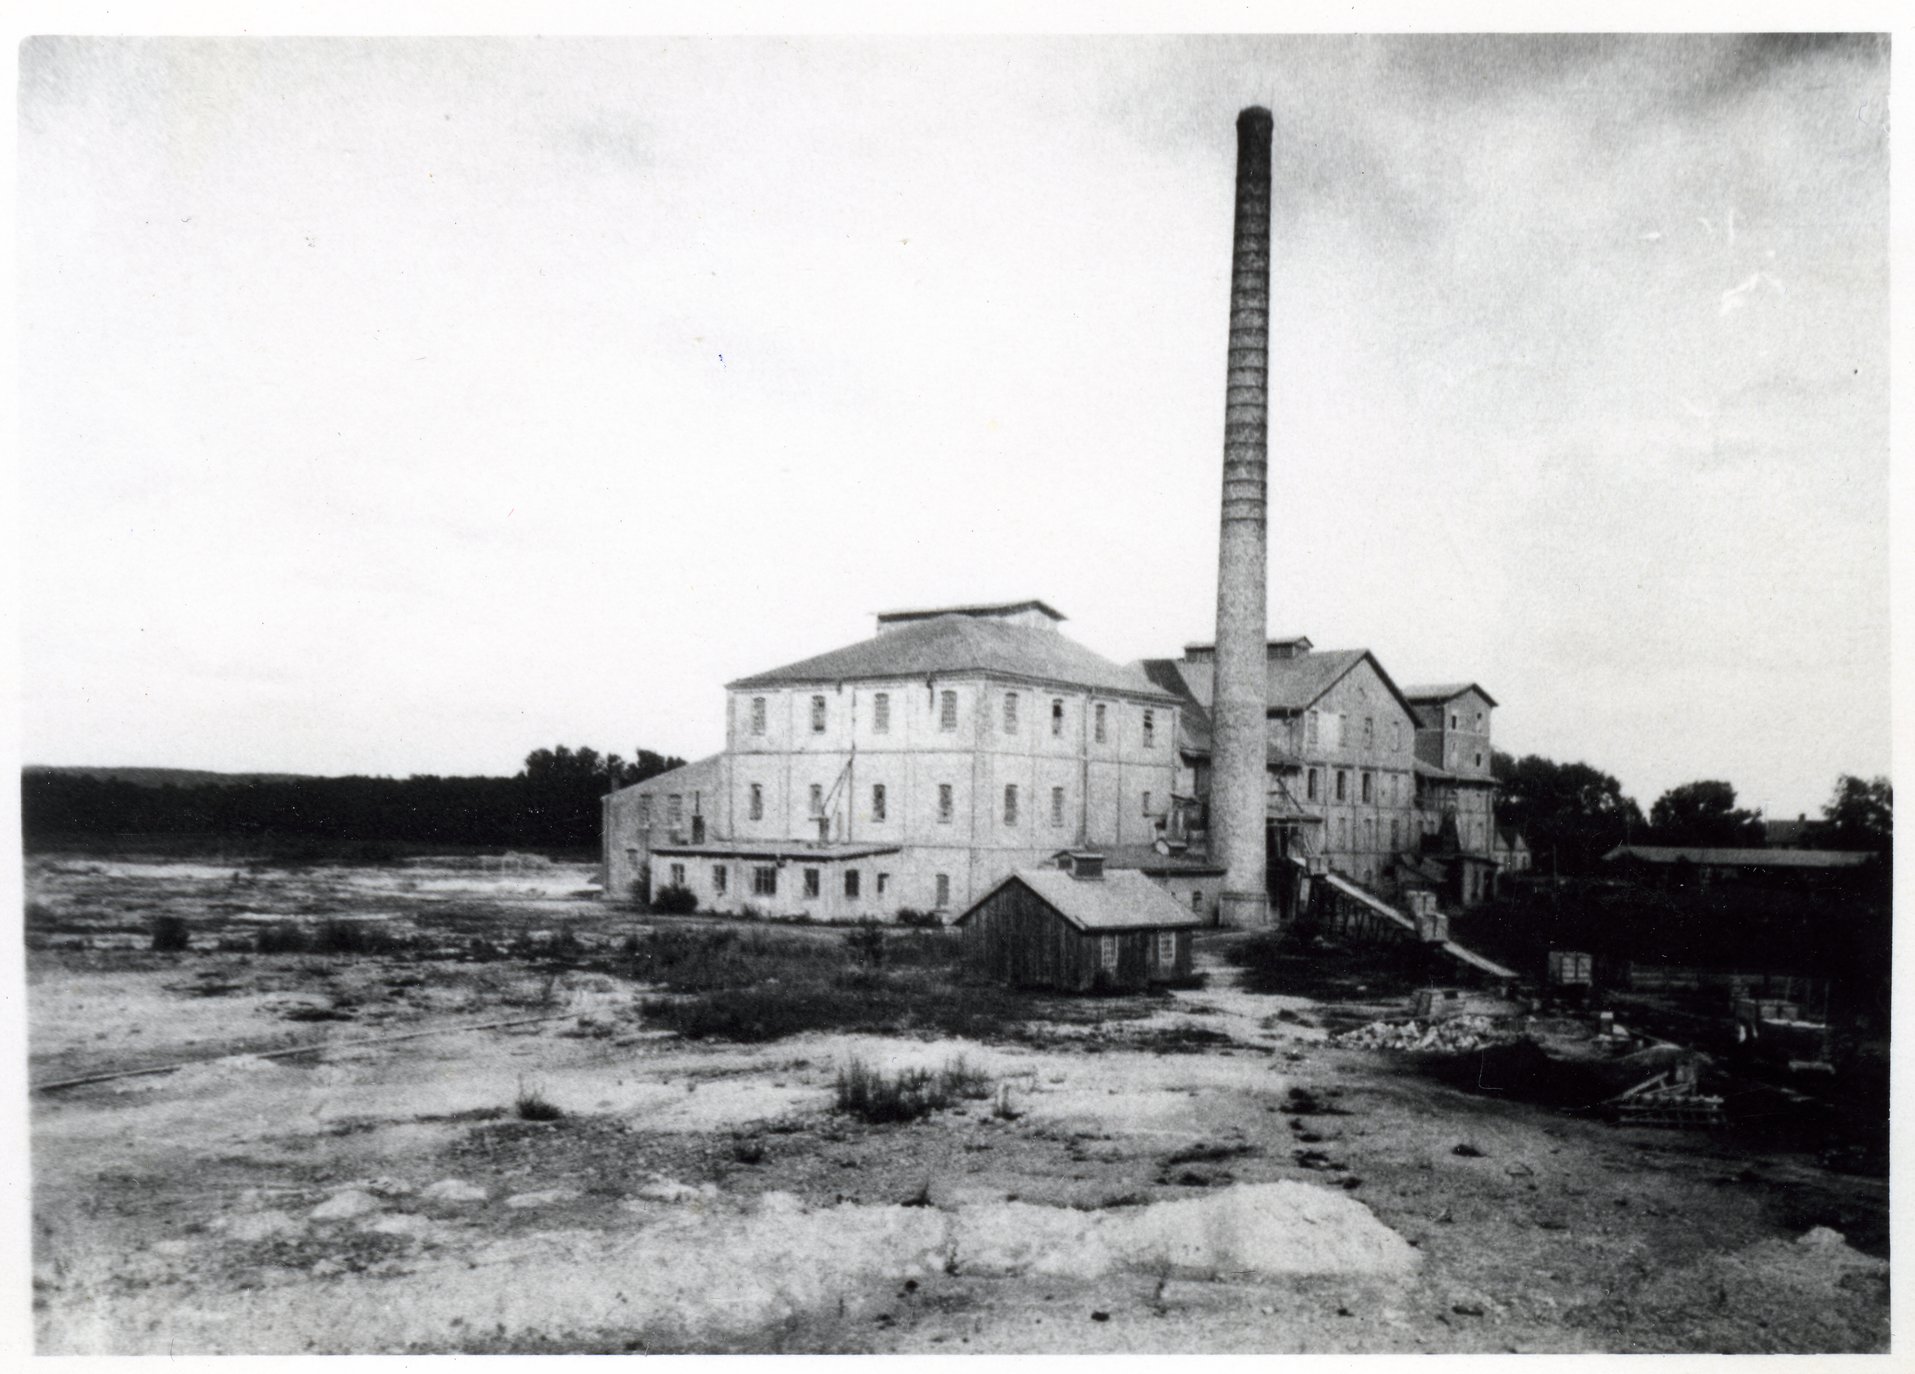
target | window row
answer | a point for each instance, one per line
(947, 802)
(1391, 793)
(1326, 730)
(948, 716)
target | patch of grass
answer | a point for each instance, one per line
(532, 1105)
(877, 1097)
(1207, 1153)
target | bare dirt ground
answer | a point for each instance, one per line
(1203, 1172)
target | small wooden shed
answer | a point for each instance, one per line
(1078, 928)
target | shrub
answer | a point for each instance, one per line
(674, 901)
(171, 935)
(532, 1105)
(913, 919)
(866, 944)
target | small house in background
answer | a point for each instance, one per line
(1079, 927)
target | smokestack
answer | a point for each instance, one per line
(1237, 779)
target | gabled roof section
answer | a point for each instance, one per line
(949, 645)
(1446, 691)
(1290, 684)
(699, 772)
(984, 609)
(1123, 899)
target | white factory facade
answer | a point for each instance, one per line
(909, 771)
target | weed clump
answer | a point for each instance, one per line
(874, 1096)
(533, 1105)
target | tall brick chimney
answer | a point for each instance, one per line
(1237, 778)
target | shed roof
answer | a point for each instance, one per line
(950, 644)
(1740, 858)
(1123, 899)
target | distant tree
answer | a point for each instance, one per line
(1704, 813)
(1570, 813)
(1860, 815)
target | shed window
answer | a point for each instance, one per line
(1167, 940)
(1010, 803)
(719, 879)
(881, 714)
(1057, 806)
(817, 715)
(944, 890)
(944, 803)
(851, 882)
(1097, 716)
(1150, 730)
(947, 711)
(1010, 713)
(764, 881)
(1057, 716)
(757, 801)
(757, 715)
(1107, 952)
(811, 882)
(877, 801)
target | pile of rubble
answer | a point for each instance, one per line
(1453, 1036)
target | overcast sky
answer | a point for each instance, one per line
(404, 406)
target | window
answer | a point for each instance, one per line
(645, 812)
(1057, 716)
(1369, 832)
(1453, 719)
(1449, 755)
(947, 711)
(817, 715)
(1057, 806)
(1343, 785)
(674, 810)
(1010, 803)
(1167, 943)
(1197, 902)
(1479, 758)
(877, 801)
(884, 881)
(1146, 803)
(1395, 837)
(944, 802)
(944, 890)
(1369, 732)
(851, 882)
(1311, 731)
(1150, 730)
(1010, 713)
(678, 875)
(811, 883)
(1097, 717)
(1107, 952)
(1332, 730)
(1310, 784)
(757, 801)
(764, 882)
(1396, 734)
(1366, 787)
(719, 879)
(757, 715)
(1343, 832)
(1479, 721)
(817, 799)
(881, 714)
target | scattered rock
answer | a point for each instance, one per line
(1821, 1236)
(342, 1206)
(455, 1190)
(1467, 1151)
(1467, 1309)
(1100, 1316)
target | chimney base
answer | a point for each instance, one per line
(1244, 910)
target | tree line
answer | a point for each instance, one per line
(551, 803)
(1571, 814)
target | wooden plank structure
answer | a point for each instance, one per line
(1079, 929)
